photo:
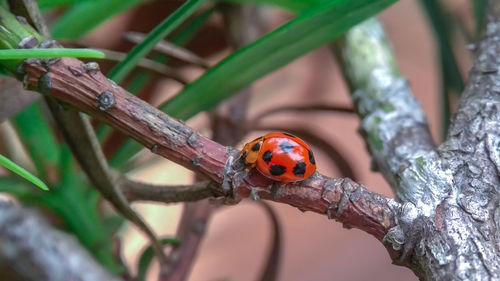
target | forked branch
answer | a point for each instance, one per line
(73, 82)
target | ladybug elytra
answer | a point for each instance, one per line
(280, 156)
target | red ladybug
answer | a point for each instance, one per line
(280, 156)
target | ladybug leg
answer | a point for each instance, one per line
(276, 189)
(254, 193)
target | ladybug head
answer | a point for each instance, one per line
(250, 151)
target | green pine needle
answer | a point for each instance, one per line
(14, 54)
(7, 163)
(121, 70)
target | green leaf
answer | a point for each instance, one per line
(187, 30)
(126, 151)
(148, 255)
(479, 13)
(119, 72)
(291, 5)
(83, 16)
(19, 188)
(7, 163)
(440, 24)
(76, 204)
(38, 138)
(12, 32)
(113, 223)
(49, 53)
(50, 4)
(306, 32)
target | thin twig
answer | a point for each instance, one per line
(29, 9)
(140, 191)
(270, 272)
(307, 108)
(170, 49)
(147, 64)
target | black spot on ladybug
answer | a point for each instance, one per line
(267, 156)
(244, 154)
(256, 146)
(289, 135)
(311, 157)
(277, 170)
(299, 169)
(286, 146)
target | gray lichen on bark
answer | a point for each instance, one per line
(393, 123)
(449, 225)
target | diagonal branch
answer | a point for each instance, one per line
(393, 123)
(140, 191)
(92, 92)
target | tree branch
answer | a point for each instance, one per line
(472, 147)
(140, 191)
(344, 200)
(393, 122)
(448, 229)
(476, 123)
(35, 251)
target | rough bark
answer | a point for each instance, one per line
(449, 225)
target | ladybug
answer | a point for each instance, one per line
(280, 156)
